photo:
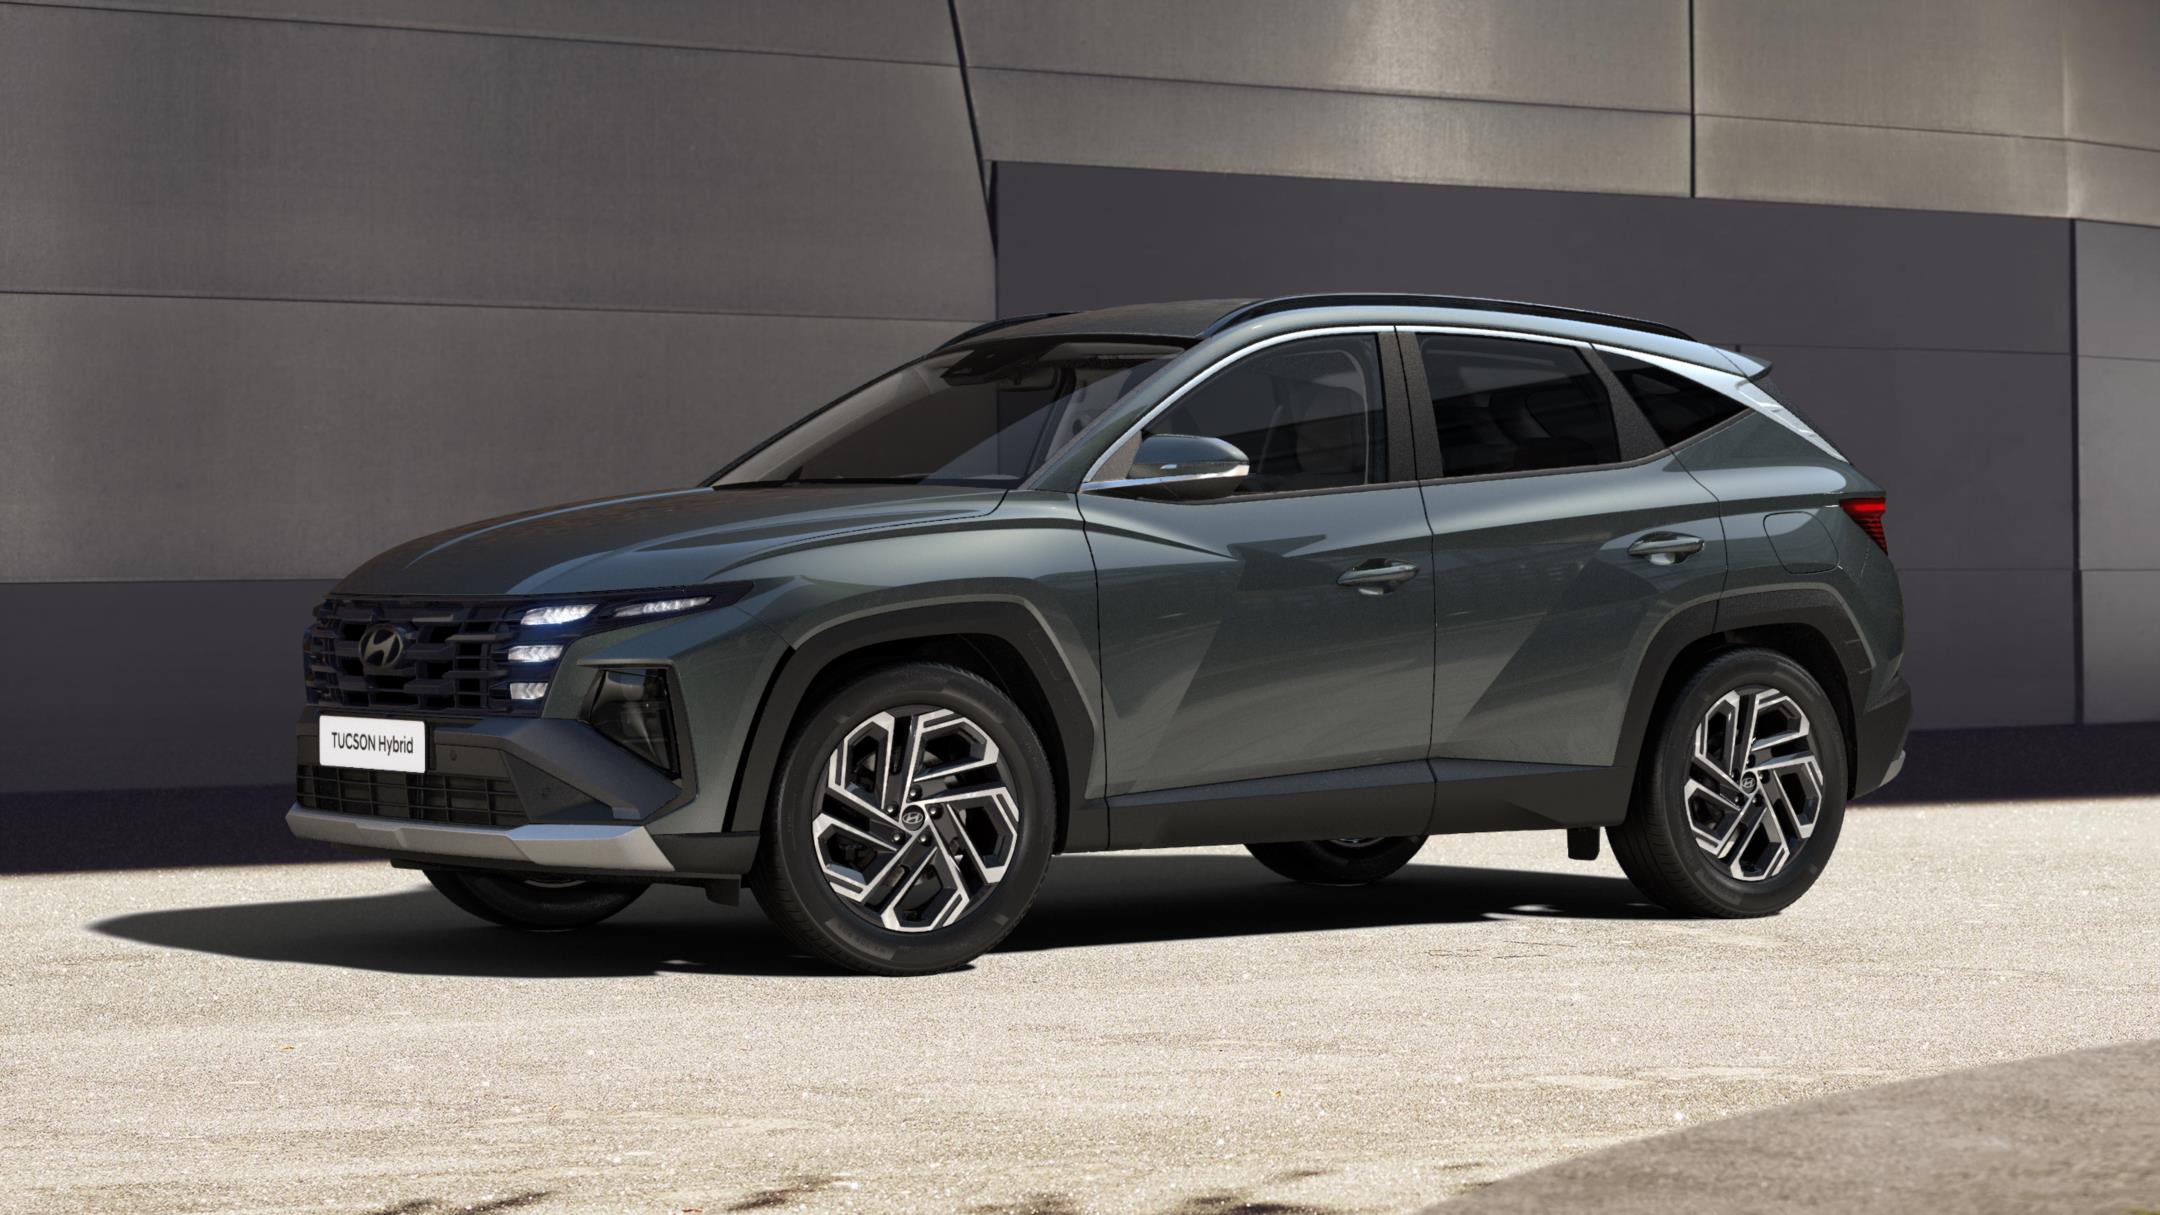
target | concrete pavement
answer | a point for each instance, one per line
(1166, 1033)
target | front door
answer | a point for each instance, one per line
(1267, 657)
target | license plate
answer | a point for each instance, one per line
(372, 742)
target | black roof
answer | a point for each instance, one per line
(1190, 320)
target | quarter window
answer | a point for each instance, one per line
(1503, 406)
(1308, 414)
(1678, 407)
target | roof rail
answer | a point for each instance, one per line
(1003, 322)
(1286, 303)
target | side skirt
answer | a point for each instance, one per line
(1416, 797)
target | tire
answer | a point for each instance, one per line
(905, 877)
(1339, 862)
(1684, 844)
(538, 903)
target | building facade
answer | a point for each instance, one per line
(285, 281)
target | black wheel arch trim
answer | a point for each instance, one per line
(1083, 824)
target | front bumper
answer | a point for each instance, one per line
(517, 794)
(584, 846)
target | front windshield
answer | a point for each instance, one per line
(986, 415)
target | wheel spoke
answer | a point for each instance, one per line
(1725, 813)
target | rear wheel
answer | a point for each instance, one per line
(536, 903)
(1344, 862)
(910, 825)
(1744, 793)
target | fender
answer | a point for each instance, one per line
(1082, 825)
(1601, 798)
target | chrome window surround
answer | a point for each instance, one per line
(1727, 382)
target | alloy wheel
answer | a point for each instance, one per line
(917, 818)
(1754, 787)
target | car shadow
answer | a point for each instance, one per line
(1091, 900)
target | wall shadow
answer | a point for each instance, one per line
(1094, 900)
(151, 829)
(2026, 763)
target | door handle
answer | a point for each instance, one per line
(1664, 548)
(1377, 576)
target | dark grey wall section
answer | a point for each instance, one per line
(1077, 237)
(1950, 433)
(200, 438)
(1989, 647)
(150, 684)
(2119, 446)
(155, 154)
(2118, 287)
(908, 31)
(1934, 347)
(2122, 646)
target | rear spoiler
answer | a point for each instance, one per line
(1750, 368)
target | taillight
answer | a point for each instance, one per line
(1868, 513)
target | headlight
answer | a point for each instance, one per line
(660, 607)
(630, 707)
(528, 691)
(534, 653)
(568, 613)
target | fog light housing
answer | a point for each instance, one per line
(630, 706)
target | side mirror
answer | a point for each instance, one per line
(1179, 468)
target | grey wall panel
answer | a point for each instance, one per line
(2120, 184)
(2118, 444)
(1945, 432)
(1077, 237)
(912, 31)
(1951, 65)
(197, 156)
(1626, 54)
(2122, 646)
(224, 439)
(2111, 90)
(144, 685)
(1990, 647)
(1877, 167)
(2118, 291)
(1096, 120)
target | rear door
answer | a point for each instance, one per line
(1565, 536)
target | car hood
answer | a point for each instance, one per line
(672, 538)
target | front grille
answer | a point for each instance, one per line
(434, 797)
(452, 661)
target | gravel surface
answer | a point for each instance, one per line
(1172, 1032)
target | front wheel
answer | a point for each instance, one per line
(1343, 862)
(1744, 792)
(537, 903)
(911, 823)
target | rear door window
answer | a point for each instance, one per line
(1503, 406)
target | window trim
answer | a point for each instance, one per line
(1395, 408)
(1638, 441)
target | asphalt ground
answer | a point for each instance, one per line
(1172, 1032)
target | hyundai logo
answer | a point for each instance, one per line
(382, 649)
